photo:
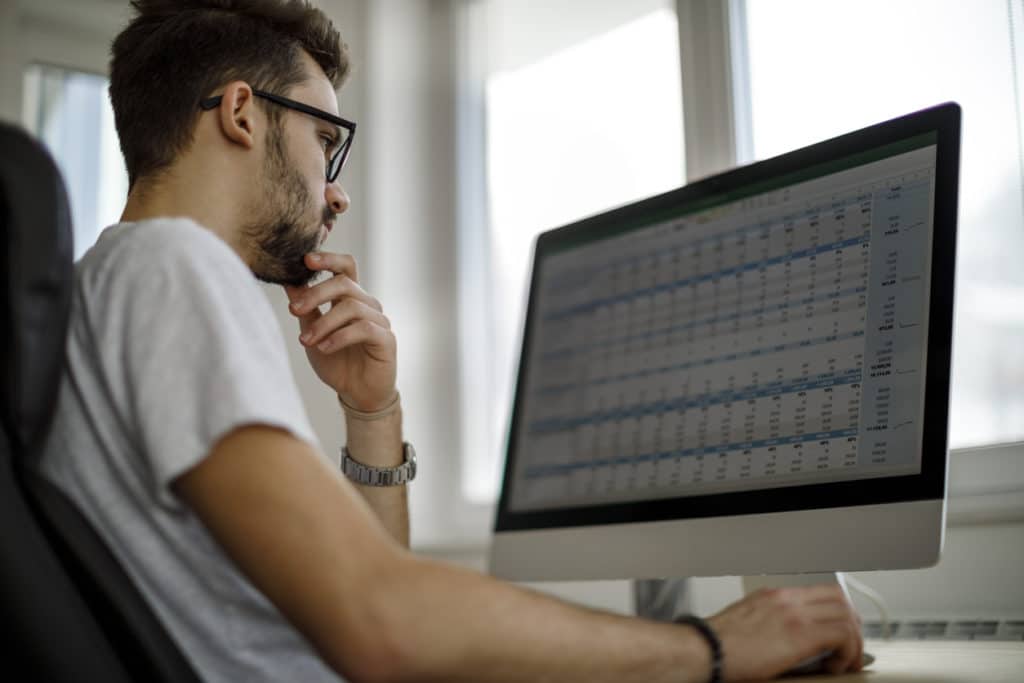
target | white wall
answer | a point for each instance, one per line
(412, 235)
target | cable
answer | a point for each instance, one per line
(876, 599)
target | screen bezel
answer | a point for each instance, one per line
(944, 120)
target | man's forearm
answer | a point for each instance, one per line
(449, 624)
(378, 443)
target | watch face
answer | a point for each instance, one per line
(410, 461)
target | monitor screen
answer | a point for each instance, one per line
(774, 338)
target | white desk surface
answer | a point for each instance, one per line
(936, 661)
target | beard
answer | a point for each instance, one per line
(279, 238)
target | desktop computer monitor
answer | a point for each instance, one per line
(747, 375)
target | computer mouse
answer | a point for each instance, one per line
(816, 664)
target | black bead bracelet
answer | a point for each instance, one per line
(714, 643)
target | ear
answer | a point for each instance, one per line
(237, 114)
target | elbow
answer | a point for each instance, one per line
(385, 644)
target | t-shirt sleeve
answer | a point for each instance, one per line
(203, 354)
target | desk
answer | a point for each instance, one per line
(936, 661)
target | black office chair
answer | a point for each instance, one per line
(70, 612)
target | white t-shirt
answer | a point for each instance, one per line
(172, 345)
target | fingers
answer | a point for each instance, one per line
(335, 263)
(827, 611)
(306, 318)
(846, 648)
(370, 334)
(859, 663)
(305, 302)
(320, 331)
(329, 291)
(770, 631)
(821, 618)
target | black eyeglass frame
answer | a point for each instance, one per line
(337, 160)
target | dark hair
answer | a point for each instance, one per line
(175, 52)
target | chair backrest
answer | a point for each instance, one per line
(70, 612)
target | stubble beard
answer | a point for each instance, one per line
(278, 235)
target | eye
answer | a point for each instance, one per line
(327, 141)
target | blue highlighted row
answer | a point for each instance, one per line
(563, 469)
(761, 227)
(589, 306)
(714, 320)
(682, 403)
(725, 358)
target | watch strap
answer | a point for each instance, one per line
(368, 475)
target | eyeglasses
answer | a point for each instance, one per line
(346, 130)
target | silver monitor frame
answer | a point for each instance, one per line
(867, 525)
(895, 536)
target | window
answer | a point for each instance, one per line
(760, 77)
(70, 112)
(583, 112)
(818, 69)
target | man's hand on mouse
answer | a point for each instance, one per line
(770, 631)
(351, 346)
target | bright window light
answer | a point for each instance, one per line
(70, 112)
(595, 125)
(818, 69)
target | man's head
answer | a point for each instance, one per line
(176, 53)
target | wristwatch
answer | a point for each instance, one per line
(368, 475)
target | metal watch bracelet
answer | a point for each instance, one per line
(368, 475)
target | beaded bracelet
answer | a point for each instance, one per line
(714, 643)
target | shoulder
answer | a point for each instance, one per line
(167, 272)
(162, 244)
(163, 257)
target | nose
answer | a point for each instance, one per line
(336, 197)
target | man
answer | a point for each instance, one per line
(181, 435)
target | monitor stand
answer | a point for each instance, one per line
(813, 664)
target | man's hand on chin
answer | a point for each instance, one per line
(351, 347)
